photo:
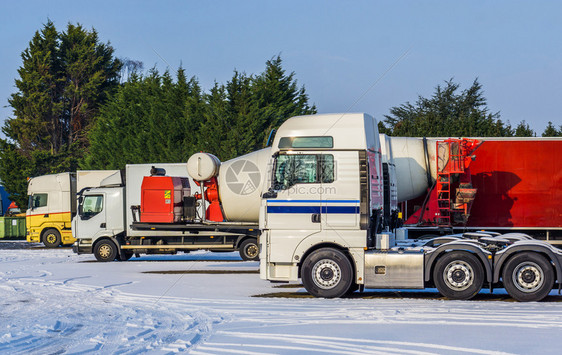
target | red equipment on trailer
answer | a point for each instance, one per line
(162, 198)
(508, 184)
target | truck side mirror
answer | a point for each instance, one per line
(269, 194)
(80, 210)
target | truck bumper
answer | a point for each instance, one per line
(33, 237)
(79, 248)
(66, 237)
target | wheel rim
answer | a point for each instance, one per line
(51, 238)
(458, 275)
(105, 251)
(252, 251)
(528, 277)
(326, 274)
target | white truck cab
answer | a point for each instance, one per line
(326, 189)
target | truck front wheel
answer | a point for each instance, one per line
(458, 275)
(327, 273)
(105, 250)
(249, 249)
(528, 277)
(124, 255)
(51, 238)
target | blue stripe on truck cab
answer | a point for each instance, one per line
(313, 209)
(313, 201)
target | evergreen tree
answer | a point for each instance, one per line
(157, 119)
(277, 98)
(64, 79)
(447, 113)
(551, 131)
(524, 130)
(151, 119)
(241, 114)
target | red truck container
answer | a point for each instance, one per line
(162, 198)
(517, 184)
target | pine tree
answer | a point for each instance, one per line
(37, 105)
(551, 131)
(241, 114)
(150, 119)
(447, 113)
(524, 130)
(156, 118)
(64, 79)
(277, 97)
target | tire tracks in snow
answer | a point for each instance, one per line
(57, 320)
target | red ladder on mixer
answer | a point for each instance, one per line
(450, 160)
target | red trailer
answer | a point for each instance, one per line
(511, 184)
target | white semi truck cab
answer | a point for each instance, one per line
(322, 220)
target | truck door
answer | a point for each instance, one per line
(38, 210)
(91, 219)
(295, 211)
(297, 182)
(340, 192)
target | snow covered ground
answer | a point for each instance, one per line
(54, 301)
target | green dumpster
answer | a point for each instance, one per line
(12, 227)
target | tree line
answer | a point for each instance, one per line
(451, 112)
(77, 106)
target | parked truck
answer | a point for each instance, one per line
(323, 200)
(341, 243)
(52, 203)
(159, 209)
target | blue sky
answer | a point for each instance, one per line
(338, 49)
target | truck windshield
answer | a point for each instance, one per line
(92, 205)
(303, 169)
(37, 200)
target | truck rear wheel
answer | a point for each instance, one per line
(458, 275)
(51, 238)
(327, 273)
(105, 250)
(528, 277)
(249, 249)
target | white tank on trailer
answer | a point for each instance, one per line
(240, 185)
(411, 163)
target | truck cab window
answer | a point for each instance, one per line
(37, 200)
(303, 169)
(92, 205)
(327, 168)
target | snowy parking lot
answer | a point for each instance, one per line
(54, 301)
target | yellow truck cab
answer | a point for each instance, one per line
(51, 205)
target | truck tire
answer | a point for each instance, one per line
(51, 238)
(105, 250)
(124, 256)
(354, 287)
(327, 273)
(458, 275)
(249, 249)
(528, 277)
